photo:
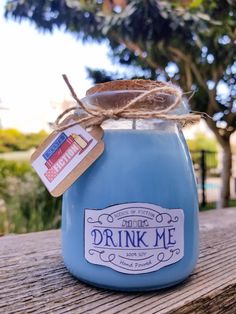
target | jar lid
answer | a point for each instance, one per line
(116, 94)
(134, 99)
(125, 85)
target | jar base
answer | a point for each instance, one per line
(112, 288)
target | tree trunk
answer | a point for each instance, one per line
(225, 173)
(226, 167)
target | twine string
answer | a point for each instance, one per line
(92, 117)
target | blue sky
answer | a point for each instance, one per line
(31, 64)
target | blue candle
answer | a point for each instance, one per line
(130, 222)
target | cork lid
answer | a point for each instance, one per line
(128, 99)
(116, 94)
(124, 85)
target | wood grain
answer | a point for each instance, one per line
(33, 278)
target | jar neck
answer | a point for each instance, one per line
(140, 124)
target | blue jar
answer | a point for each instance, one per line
(130, 222)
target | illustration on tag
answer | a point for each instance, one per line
(62, 151)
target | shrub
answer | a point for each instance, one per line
(25, 203)
(14, 140)
(202, 142)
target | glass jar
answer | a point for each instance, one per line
(130, 222)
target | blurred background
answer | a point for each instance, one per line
(190, 42)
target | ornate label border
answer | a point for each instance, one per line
(134, 238)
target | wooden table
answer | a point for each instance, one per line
(33, 278)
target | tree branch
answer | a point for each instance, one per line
(188, 75)
(212, 125)
(212, 96)
(198, 75)
(231, 118)
(136, 49)
(187, 59)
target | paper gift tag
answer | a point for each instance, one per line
(66, 155)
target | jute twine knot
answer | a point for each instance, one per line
(137, 108)
(110, 114)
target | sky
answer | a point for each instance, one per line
(31, 65)
(31, 68)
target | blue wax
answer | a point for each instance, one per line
(147, 166)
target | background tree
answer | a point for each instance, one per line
(174, 40)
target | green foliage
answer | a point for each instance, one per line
(99, 76)
(202, 142)
(199, 143)
(14, 140)
(25, 204)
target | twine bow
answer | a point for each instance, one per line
(96, 116)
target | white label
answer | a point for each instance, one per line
(63, 154)
(134, 238)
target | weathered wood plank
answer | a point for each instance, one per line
(33, 278)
